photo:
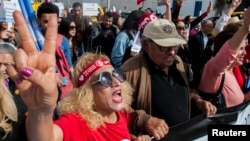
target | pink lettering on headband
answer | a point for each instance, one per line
(90, 69)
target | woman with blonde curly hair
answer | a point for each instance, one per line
(90, 107)
(100, 103)
(8, 110)
(97, 109)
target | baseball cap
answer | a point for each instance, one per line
(163, 33)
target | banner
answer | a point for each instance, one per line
(196, 128)
(6, 10)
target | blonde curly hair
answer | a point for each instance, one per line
(8, 110)
(81, 99)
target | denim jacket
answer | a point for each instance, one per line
(122, 42)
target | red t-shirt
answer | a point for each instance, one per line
(75, 128)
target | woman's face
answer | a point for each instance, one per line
(107, 99)
(4, 25)
(5, 60)
(120, 22)
(72, 29)
(181, 29)
(241, 53)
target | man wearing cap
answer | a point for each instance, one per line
(158, 76)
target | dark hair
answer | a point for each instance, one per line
(186, 19)
(204, 22)
(227, 33)
(178, 20)
(116, 19)
(47, 8)
(131, 22)
(220, 40)
(76, 4)
(64, 27)
(109, 14)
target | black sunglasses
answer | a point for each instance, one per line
(181, 27)
(72, 27)
(105, 78)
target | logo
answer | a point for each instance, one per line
(81, 78)
(168, 29)
(99, 63)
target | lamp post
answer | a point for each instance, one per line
(108, 4)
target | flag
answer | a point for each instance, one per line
(139, 1)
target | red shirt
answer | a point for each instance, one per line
(75, 128)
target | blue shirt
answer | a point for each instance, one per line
(66, 50)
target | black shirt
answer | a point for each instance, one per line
(170, 97)
(19, 130)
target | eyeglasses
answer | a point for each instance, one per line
(105, 78)
(72, 27)
(181, 27)
(167, 49)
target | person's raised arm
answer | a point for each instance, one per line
(222, 21)
(168, 14)
(197, 20)
(235, 4)
(238, 38)
(35, 77)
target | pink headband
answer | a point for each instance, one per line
(90, 69)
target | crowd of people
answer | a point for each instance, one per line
(119, 80)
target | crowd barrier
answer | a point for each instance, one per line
(196, 128)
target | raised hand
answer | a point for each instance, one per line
(236, 3)
(34, 73)
(210, 7)
(166, 2)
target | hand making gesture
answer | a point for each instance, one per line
(34, 73)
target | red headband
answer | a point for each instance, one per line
(90, 69)
(147, 18)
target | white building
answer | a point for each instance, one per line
(189, 7)
(195, 8)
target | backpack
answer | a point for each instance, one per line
(63, 68)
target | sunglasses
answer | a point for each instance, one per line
(72, 27)
(167, 49)
(181, 27)
(105, 78)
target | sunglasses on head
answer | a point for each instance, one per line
(105, 78)
(72, 27)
